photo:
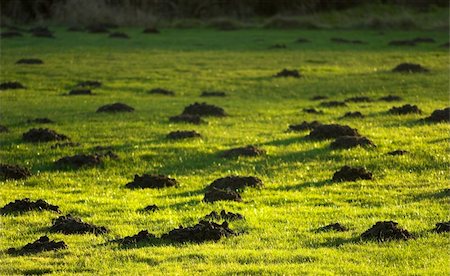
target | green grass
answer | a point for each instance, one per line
(278, 233)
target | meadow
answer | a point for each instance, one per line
(278, 235)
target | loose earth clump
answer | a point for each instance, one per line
(187, 118)
(204, 109)
(3, 129)
(42, 135)
(10, 34)
(182, 134)
(384, 231)
(361, 99)
(89, 83)
(391, 98)
(13, 172)
(397, 152)
(355, 114)
(97, 29)
(213, 94)
(312, 111)
(76, 92)
(406, 42)
(348, 173)
(319, 98)
(119, 35)
(11, 85)
(142, 236)
(304, 126)
(302, 40)
(439, 115)
(442, 227)
(201, 232)
(150, 30)
(410, 68)
(40, 245)
(424, 40)
(405, 109)
(71, 225)
(42, 32)
(78, 161)
(40, 121)
(114, 108)
(29, 61)
(346, 41)
(278, 46)
(323, 132)
(214, 194)
(151, 208)
(235, 182)
(224, 215)
(161, 91)
(333, 227)
(248, 151)
(26, 205)
(333, 104)
(346, 142)
(151, 181)
(75, 29)
(288, 73)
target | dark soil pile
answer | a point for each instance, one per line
(346, 41)
(214, 194)
(201, 232)
(278, 46)
(445, 45)
(108, 154)
(10, 34)
(235, 182)
(439, 115)
(71, 225)
(3, 129)
(402, 43)
(151, 181)
(302, 40)
(319, 98)
(410, 68)
(150, 30)
(75, 29)
(161, 91)
(151, 208)
(115, 107)
(65, 145)
(40, 121)
(89, 83)
(333, 104)
(204, 109)
(304, 126)
(333, 227)
(397, 152)
(25, 205)
(442, 227)
(187, 118)
(42, 32)
(13, 172)
(346, 142)
(40, 245)
(224, 215)
(386, 231)
(361, 99)
(97, 29)
(249, 151)
(29, 61)
(332, 131)
(11, 85)
(78, 161)
(42, 135)
(288, 73)
(213, 94)
(142, 236)
(355, 114)
(76, 92)
(348, 173)
(312, 111)
(391, 98)
(405, 109)
(182, 134)
(119, 35)
(424, 40)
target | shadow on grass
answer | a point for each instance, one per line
(336, 242)
(303, 186)
(444, 193)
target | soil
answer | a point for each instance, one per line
(11, 85)
(161, 91)
(3, 129)
(10, 34)
(312, 111)
(288, 73)
(405, 109)
(402, 43)
(346, 142)
(410, 68)
(319, 98)
(78, 161)
(108, 154)
(355, 114)
(248, 151)
(182, 134)
(150, 30)
(151, 208)
(75, 29)
(343, 40)
(102, 148)
(333, 104)
(40, 121)
(115, 107)
(75, 92)
(439, 115)
(278, 46)
(347, 173)
(201, 232)
(424, 40)
(97, 29)
(304, 126)
(89, 83)
(204, 109)
(398, 152)
(42, 135)
(119, 35)
(224, 215)
(187, 118)
(386, 231)
(25, 205)
(13, 172)
(213, 94)
(234, 182)
(333, 227)
(142, 236)
(42, 32)
(71, 225)
(29, 61)
(151, 181)
(40, 245)
(361, 99)
(323, 132)
(302, 40)
(391, 98)
(214, 194)
(445, 45)
(442, 227)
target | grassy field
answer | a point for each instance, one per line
(279, 234)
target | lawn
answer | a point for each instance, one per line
(278, 235)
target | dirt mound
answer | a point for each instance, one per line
(397, 152)
(224, 215)
(75, 29)
(406, 42)
(302, 40)
(333, 104)
(235, 182)
(405, 109)
(333, 227)
(445, 45)
(3, 129)
(346, 142)
(40, 245)
(151, 208)
(71, 225)
(318, 98)
(214, 194)
(346, 41)
(386, 231)
(288, 73)
(323, 132)
(40, 121)
(151, 181)
(312, 111)
(25, 205)
(142, 236)
(13, 172)
(410, 68)
(391, 98)
(442, 227)
(97, 29)
(89, 83)
(201, 232)
(29, 61)
(75, 92)
(65, 145)
(278, 46)
(78, 161)
(361, 99)
(183, 134)
(119, 35)
(304, 126)
(11, 85)
(10, 34)
(439, 115)
(424, 40)
(213, 94)
(248, 151)
(42, 32)
(347, 173)
(42, 135)
(161, 91)
(150, 30)
(204, 109)
(355, 114)
(115, 107)
(187, 118)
